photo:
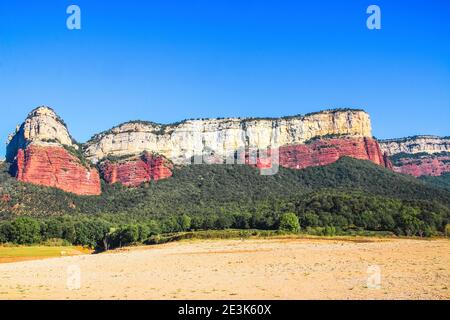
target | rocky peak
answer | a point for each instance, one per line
(43, 127)
(42, 152)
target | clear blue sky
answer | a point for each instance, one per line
(169, 60)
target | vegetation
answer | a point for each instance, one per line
(440, 182)
(16, 253)
(78, 153)
(289, 222)
(348, 197)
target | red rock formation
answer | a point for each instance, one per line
(136, 170)
(424, 166)
(54, 166)
(325, 151)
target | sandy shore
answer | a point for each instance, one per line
(235, 269)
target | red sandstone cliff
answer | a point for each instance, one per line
(136, 170)
(323, 152)
(36, 151)
(54, 166)
(326, 151)
(425, 166)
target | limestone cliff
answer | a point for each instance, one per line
(419, 155)
(42, 126)
(222, 137)
(42, 152)
(416, 144)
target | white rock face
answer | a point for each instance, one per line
(42, 126)
(417, 144)
(221, 137)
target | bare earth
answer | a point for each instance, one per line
(241, 269)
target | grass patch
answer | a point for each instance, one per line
(23, 253)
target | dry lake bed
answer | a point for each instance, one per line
(358, 268)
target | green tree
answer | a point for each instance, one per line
(91, 233)
(185, 222)
(6, 230)
(128, 234)
(289, 222)
(143, 232)
(51, 229)
(25, 231)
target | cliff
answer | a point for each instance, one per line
(135, 170)
(416, 144)
(54, 166)
(42, 152)
(419, 155)
(326, 151)
(222, 137)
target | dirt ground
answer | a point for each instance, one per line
(242, 269)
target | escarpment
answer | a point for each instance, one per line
(419, 155)
(221, 137)
(135, 170)
(42, 151)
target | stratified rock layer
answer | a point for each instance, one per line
(320, 153)
(326, 151)
(136, 170)
(42, 126)
(419, 155)
(39, 153)
(425, 165)
(416, 144)
(222, 137)
(43, 152)
(54, 166)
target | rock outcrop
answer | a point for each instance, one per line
(54, 166)
(42, 152)
(416, 144)
(326, 151)
(135, 170)
(220, 137)
(423, 164)
(419, 155)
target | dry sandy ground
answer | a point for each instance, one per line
(235, 269)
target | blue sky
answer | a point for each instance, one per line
(169, 60)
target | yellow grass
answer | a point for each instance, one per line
(23, 253)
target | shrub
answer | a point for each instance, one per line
(289, 222)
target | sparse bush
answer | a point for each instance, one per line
(289, 222)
